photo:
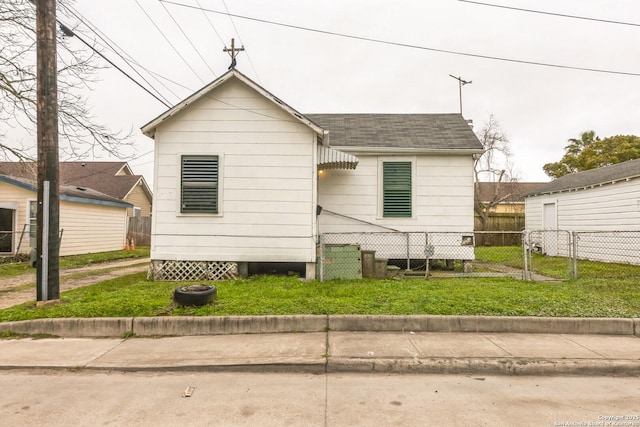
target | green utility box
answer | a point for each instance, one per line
(341, 262)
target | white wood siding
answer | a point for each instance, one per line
(442, 202)
(602, 209)
(611, 207)
(12, 193)
(443, 199)
(88, 228)
(267, 181)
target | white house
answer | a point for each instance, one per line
(90, 221)
(605, 199)
(240, 176)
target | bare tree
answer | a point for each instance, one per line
(80, 134)
(494, 167)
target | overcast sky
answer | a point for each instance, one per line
(538, 107)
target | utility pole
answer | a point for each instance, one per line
(48, 216)
(460, 84)
(233, 52)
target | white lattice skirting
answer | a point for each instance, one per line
(188, 271)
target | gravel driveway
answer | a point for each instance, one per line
(12, 292)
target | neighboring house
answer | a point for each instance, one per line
(508, 196)
(606, 199)
(89, 221)
(114, 179)
(242, 177)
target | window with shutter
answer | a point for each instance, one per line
(199, 184)
(396, 192)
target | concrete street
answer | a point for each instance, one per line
(90, 398)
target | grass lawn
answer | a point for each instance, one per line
(134, 296)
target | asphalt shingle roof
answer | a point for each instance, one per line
(508, 192)
(66, 190)
(602, 175)
(421, 131)
(99, 176)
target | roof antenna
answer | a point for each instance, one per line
(460, 84)
(233, 52)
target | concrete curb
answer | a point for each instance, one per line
(498, 324)
(434, 366)
(488, 366)
(225, 325)
(97, 327)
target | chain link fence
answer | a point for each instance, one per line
(14, 242)
(538, 255)
(498, 254)
(391, 254)
(607, 254)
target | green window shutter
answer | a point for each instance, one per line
(397, 189)
(199, 182)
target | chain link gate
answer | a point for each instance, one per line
(548, 248)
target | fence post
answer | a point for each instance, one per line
(321, 260)
(575, 237)
(24, 228)
(525, 276)
(408, 252)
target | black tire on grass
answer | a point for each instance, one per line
(195, 295)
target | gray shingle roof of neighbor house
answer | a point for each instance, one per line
(507, 192)
(70, 192)
(594, 177)
(99, 176)
(411, 131)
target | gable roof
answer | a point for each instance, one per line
(99, 176)
(427, 132)
(592, 178)
(150, 128)
(69, 192)
(508, 192)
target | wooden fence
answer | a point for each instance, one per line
(500, 223)
(139, 229)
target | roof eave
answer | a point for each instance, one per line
(145, 188)
(580, 187)
(398, 150)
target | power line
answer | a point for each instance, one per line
(606, 21)
(189, 40)
(68, 31)
(210, 23)
(169, 41)
(116, 52)
(109, 43)
(412, 46)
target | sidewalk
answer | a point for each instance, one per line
(273, 348)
